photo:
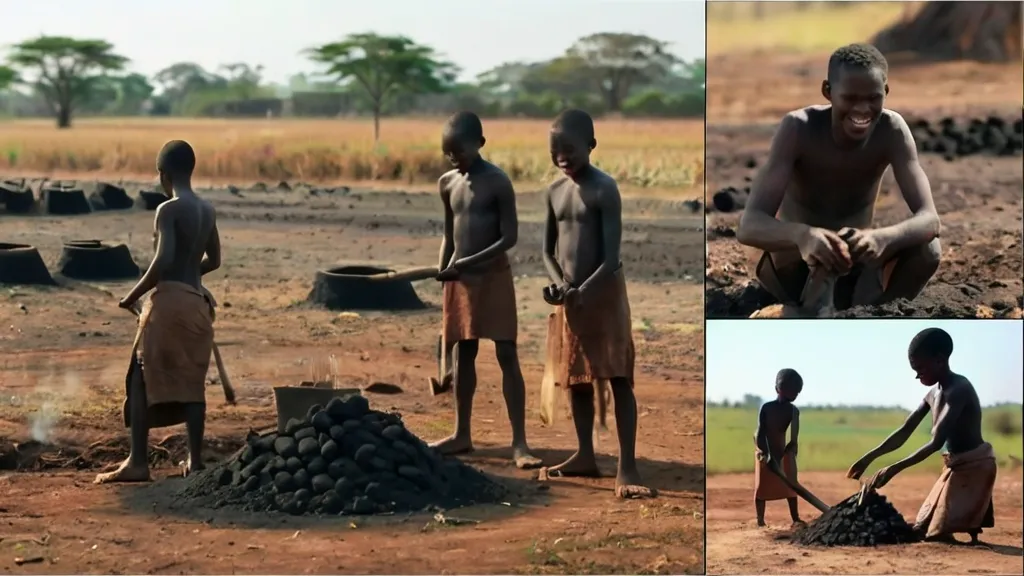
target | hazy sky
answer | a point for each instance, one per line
(858, 361)
(476, 35)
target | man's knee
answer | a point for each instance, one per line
(507, 354)
(467, 349)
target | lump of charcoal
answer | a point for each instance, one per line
(251, 484)
(293, 425)
(330, 450)
(371, 423)
(304, 495)
(247, 455)
(294, 506)
(331, 502)
(379, 463)
(322, 421)
(358, 404)
(301, 479)
(276, 464)
(284, 482)
(317, 465)
(304, 433)
(323, 438)
(313, 411)
(393, 432)
(365, 453)
(412, 473)
(265, 478)
(286, 447)
(308, 447)
(345, 488)
(225, 477)
(362, 505)
(366, 437)
(376, 492)
(336, 409)
(294, 464)
(351, 425)
(264, 443)
(404, 448)
(322, 483)
(336, 433)
(315, 503)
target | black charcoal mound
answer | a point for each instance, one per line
(95, 260)
(61, 201)
(110, 197)
(343, 459)
(730, 199)
(16, 196)
(149, 200)
(362, 288)
(22, 264)
(872, 522)
(952, 139)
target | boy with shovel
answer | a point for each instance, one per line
(775, 456)
(171, 354)
(811, 206)
(961, 499)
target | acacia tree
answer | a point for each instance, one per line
(66, 69)
(618, 62)
(7, 77)
(384, 67)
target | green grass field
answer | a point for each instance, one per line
(833, 439)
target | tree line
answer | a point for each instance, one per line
(362, 74)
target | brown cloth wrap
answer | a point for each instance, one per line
(594, 341)
(480, 305)
(961, 499)
(172, 348)
(768, 486)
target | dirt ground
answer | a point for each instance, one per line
(978, 197)
(65, 350)
(737, 546)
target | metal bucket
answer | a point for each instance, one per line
(295, 401)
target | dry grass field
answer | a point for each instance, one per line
(643, 154)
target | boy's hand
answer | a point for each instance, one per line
(858, 468)
(448, 274)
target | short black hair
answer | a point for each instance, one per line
(789, 378)
(464, 125)
(863, 56)
(576, 122)
(176, 158)
(931, 343)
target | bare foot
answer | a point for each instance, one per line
(126, 472)
(523, 459)
(453, 445)
(798, 523)
(190, 467)
(761, 524)
(628, 484)
(577, 465)
(943, 538)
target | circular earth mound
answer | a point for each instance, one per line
(149, 200)
(363, 288)
(870, 522)
(110, 197)
(94, 260)
(22, 264)
(16, 196)
(341, 459)
(64, 201)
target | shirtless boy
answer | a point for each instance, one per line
(167, 375)
(961, 500)
(592, 316)
(772, 450)
(812, 205)
(480, 226)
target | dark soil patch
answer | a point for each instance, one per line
(871, 522)
(341, 459)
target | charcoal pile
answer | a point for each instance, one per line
(872, 522)
(993, 135)
(341, 459)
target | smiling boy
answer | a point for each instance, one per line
(811, 207)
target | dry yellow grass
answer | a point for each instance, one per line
(639, 153)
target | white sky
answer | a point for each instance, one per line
(476, 35)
